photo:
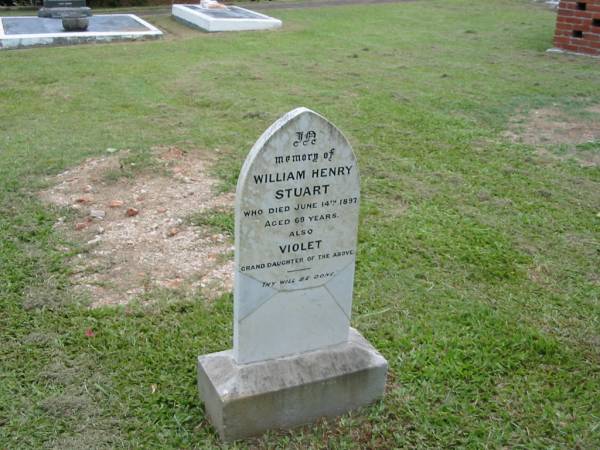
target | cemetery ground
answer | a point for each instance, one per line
(478, 260)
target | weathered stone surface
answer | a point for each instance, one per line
(75, 23)
(248, 399)
(296, 219)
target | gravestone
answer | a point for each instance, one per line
(295, 357)
(64, 3)
(58, 9)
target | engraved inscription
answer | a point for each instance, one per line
(302, 192)
(296, 219)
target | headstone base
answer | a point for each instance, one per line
(248, 399)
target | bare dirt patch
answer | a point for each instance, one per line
(549, 128)
(133, 229)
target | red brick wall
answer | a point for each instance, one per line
(578, 26)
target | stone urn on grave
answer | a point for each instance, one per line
(73, 13)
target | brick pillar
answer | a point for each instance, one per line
(578, 27)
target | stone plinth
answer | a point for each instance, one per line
(245, 400)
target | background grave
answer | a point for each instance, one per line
(230, 18)
(19, 32)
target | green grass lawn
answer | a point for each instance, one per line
(478, 260)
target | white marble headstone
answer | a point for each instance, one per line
(296, 220)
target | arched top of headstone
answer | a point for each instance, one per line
(288, 120)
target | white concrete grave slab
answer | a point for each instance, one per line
(29, 31)
(295, 357)
(229, 18)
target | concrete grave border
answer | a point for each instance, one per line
(15, 41)
(196, 19)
